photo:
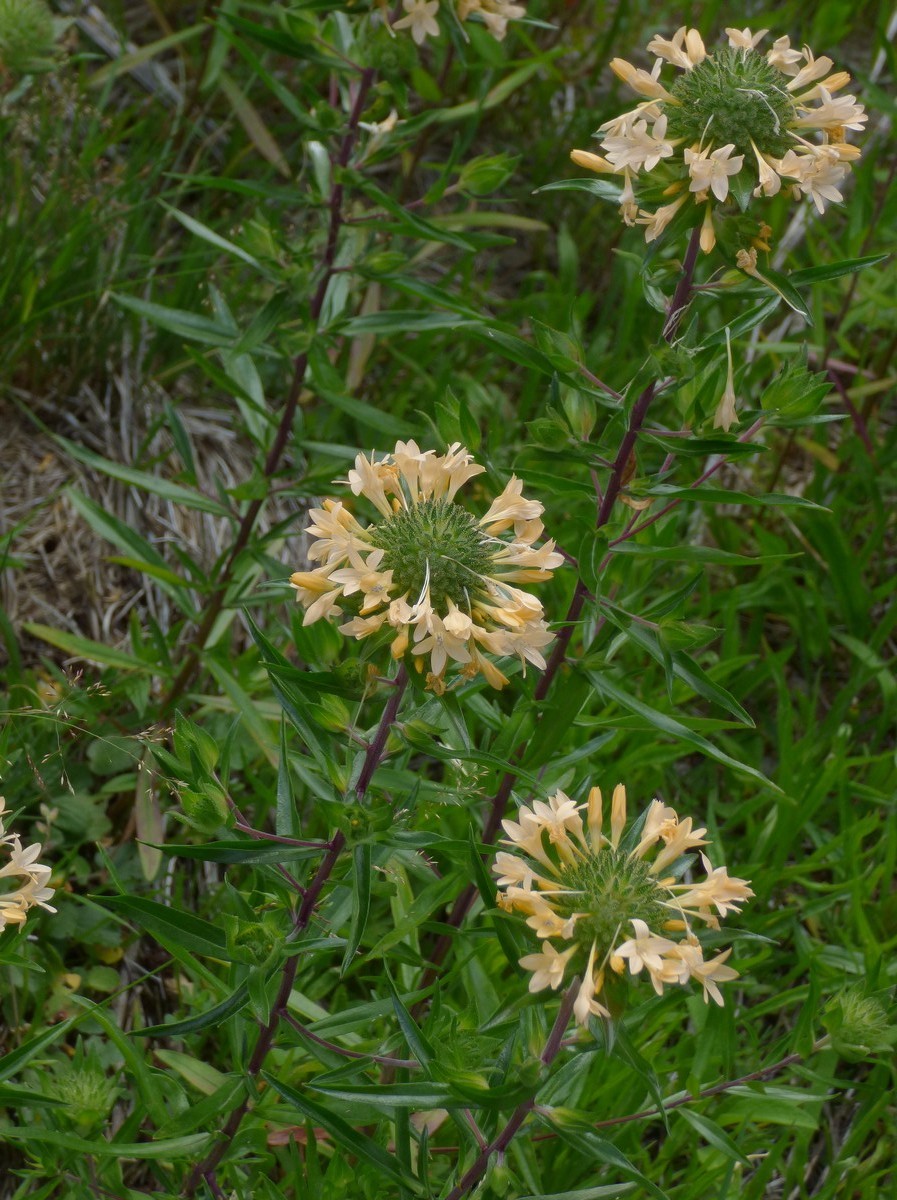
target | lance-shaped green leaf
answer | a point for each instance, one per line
(577, 1134)
(713, 1135)
(191, 1146)
(174, 927)
(606, 687)
(356, 1143)
(81, 647)
(211, 1018)
(241, 851)
(158, 485)
(361, 900)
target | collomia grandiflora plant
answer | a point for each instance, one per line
(614, 902)
(440, 580)
(735, 123)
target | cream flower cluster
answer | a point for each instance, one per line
(28, 876)
(439, 579)
(420, 16)
(614, 898)
(735, 122)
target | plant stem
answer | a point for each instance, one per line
(764, 1072)
(498, 1146)
(275, 453)
(372, 758)
(679, 303)
(406, 1064)
(647, 1113)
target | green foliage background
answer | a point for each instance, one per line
(166, 208)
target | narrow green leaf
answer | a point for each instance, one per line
(432, 897)
(588, 1143)
(17, 1097)
(673, 728)
(205, 1112)
(155, 484)
(193, 327)
(505, 931)
(175, 926)
(602, 189)
(258, 729)
(677, 663)
(292, 704)
(81, 647)
(209, 235)
(344, 1135)
(409, 222)
(191, 1146)
(705, 554)
(714, 495)
(835, 270)
(417, 1043)
(136, 58)
(713, 1135)
(143, 556)
(210, 1019)
(389, 1096)
(783, 285)
(403, 321)
(286, 822)
(743, 324)
(13, 1062)
(604, 1191)
(240, 851)
(361, 900)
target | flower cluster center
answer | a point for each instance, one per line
(435, 543)
(611, 889)
(733, 97)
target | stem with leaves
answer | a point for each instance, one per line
(619, 470)
(216, 601)
(498, 1145)
(372, 759)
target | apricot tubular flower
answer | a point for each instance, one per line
(614, 897)
(440, 581)
(731, 126)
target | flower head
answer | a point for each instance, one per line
(730, 126)
(614, 896)
(441, 581)
(23, 880)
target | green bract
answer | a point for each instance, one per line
(435, 543)
(733, 97)
(27, 36)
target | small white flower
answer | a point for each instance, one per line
(655, 223)
(815, 68)
(645, 949)
(685, 49)
(710, 171)
(743, 39)
(639, 148)
(843, 113)
(547, 967)
(783, 57)
(817, 176)
(421, 19)
(640, 81)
